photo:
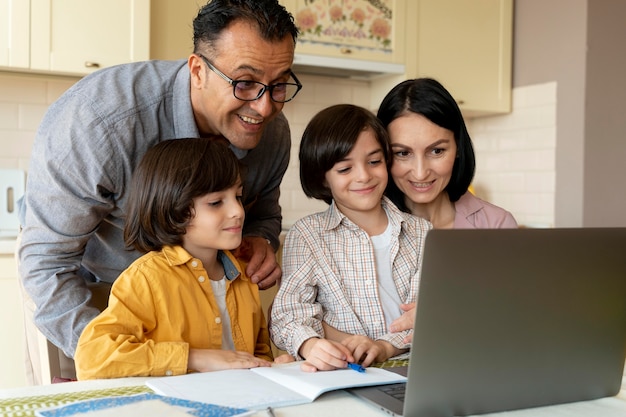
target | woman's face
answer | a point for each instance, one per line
(423, 158)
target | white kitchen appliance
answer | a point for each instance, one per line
(12, 183)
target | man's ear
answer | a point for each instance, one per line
(196, 71)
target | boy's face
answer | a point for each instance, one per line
(217, 222)
(357, 183)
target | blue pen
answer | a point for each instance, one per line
(356, 367)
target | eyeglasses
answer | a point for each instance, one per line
(248, 90)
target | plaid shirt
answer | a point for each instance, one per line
(329, 274)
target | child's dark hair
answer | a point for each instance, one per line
(170, 175)
(328, 138)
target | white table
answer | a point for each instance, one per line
(342, 404)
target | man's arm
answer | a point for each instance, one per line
(61, 209)
(266, 166)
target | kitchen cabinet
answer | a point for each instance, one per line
(358, 29)
(81, 36)
(171, 23)
(12, 323)
(74, 37)
(14, 33)
(173, 40)
(467, 46)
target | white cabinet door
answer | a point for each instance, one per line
(14, 33)
(467, 46)
(11, 325)
(81, 36)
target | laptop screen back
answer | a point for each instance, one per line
(519, 318)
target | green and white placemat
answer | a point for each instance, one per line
(26, 406)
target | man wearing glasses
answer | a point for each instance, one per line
(90, 140)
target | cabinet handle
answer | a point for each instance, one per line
(89, 64)
(345, 51)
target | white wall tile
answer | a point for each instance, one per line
(24, 99)
(16, 144)
(16, 88)
(30, 116)
(515, 156)
(55, 88)
(8, 117)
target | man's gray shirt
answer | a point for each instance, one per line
(87, 146)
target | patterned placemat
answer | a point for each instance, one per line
(391, 363)
(26, 406)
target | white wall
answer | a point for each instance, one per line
(515, 156)
(23, 101)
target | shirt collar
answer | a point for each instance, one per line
(184, 120)
(177, 255)
(467, 205)
(335, 217)
(228, 262)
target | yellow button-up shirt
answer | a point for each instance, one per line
(162, 306)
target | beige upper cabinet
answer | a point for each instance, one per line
(81, 36)
(14, 33)
(467, 46)
(171, 21)
(358, 29)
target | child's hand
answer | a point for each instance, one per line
(324, 355)
(206, 360)
(367, 351)
(284, 358)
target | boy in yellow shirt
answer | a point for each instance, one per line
(187, 304)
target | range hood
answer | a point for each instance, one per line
(344, 67)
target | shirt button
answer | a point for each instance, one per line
(194, 264)
(200, 278)
(169, 373)
(218, 320)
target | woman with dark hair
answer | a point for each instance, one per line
(433, 164)
(433, 159)
(187, 303)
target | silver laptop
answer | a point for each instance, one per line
(511, 319)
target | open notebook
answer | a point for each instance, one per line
(510, 319)
(259, 388)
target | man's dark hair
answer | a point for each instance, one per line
(272, 20)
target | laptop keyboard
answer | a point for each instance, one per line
(395, 390)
